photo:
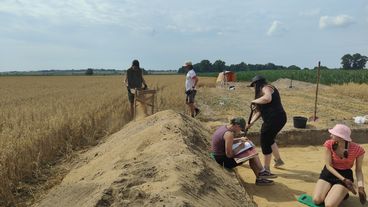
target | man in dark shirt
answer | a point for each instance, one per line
(134, 80)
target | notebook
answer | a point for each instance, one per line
(247, 151)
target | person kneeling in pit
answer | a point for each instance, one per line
(222, 147)
(336, 178)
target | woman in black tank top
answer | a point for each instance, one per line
(268, 106)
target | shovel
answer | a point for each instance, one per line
(253, 107)
(314, 117)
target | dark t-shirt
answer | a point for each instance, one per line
(135, 79)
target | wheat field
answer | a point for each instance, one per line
(45, 118)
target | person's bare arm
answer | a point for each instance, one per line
(229, 139)
(266, 97)
(255, 117)
(359, 171)
(360, 179)
(126, 80)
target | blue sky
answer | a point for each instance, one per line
(163, 34)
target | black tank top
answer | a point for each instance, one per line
(274, 107)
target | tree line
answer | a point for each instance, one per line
(348, 62)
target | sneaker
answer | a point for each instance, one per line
(197, 111)
(264, 182)
(266, 174)
(278, 163)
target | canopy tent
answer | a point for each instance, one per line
(226, 76)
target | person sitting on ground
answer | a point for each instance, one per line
(336, 178)
(222, 142)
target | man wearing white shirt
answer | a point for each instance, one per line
(190, 85)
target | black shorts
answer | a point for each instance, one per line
(190, 96)
(270, 128)
(225, 161)
(332, 179)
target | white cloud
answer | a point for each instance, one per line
(277, 28)
(311, 12)
(93, 11)
(337, 21)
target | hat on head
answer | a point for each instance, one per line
(256, 79)
(188, 63)
(341, 131)
(239, 121)
(135, 63)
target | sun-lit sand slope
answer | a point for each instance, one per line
(161, 160)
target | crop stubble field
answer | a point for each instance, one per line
(45, 118)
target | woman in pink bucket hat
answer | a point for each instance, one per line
(336, 178)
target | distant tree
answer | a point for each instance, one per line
(243, 66)
(89, 71)
(359, 61)
(347, 62)
(270, 66)
(293, 67)
(204, 66)
(181, 70)
(219, 66)
(238, 67)
(356, 61)
(321, 67)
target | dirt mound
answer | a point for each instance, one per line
(161, 160)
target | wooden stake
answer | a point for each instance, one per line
(315, 102)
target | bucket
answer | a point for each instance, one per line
(300, 122)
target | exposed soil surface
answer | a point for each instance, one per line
(162, 160)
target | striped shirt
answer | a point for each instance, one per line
(354, 151)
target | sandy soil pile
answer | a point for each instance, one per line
(161, 160)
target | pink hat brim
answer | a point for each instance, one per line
(339, 135)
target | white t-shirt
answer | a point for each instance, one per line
(189, 82)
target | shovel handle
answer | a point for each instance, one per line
(253, 107)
